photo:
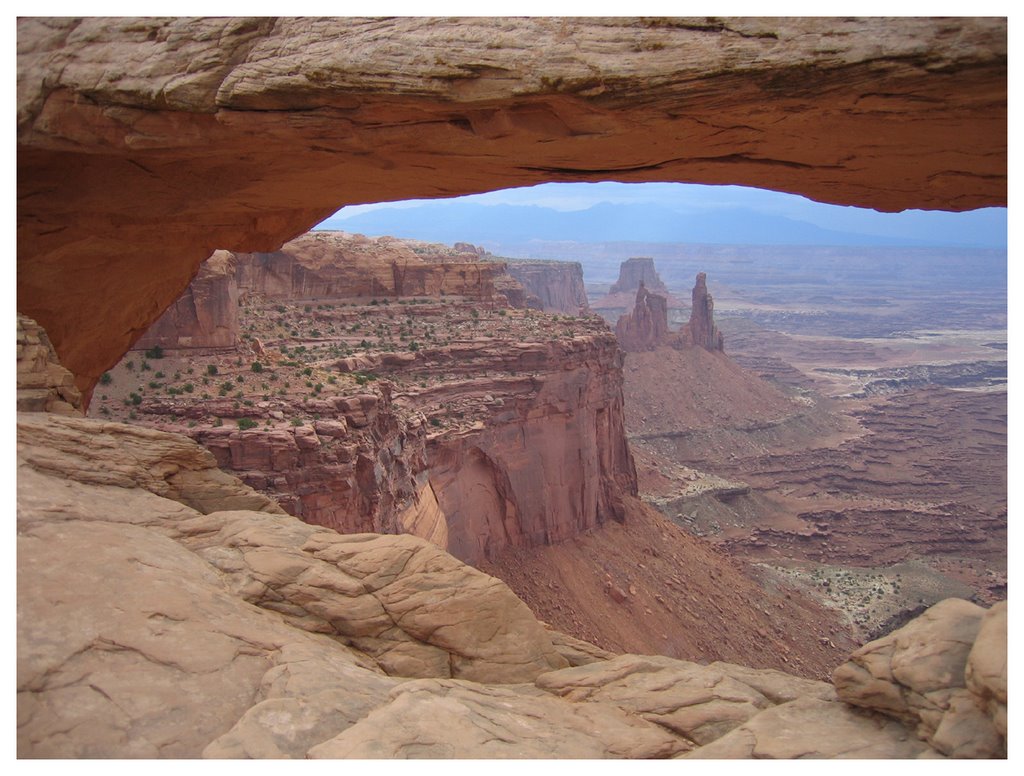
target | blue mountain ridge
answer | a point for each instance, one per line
(449, 221)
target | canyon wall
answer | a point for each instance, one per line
(146, 144)
(331, 265)
(521, 445)
(549, 459)
(205, 315)
(557, 285)
(457, 418)
(354, 470)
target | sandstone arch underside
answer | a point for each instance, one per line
(145, 144)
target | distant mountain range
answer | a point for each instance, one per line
(450, 221)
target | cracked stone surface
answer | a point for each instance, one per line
(146, 144)
(431, 719)
(700, 703)
(417, 610)
(918, 674)
(815, 728)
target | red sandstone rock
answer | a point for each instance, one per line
(556, 285)
(701, 331)
(205, 315)
(330, 265)
(549, 462)
(145, 144)
(646, 326)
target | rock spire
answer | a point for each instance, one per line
(701, 331)
(646, 326)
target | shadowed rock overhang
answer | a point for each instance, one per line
(145, 144)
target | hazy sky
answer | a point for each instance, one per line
(985, 226)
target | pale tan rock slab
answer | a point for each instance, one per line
(918, 674)
(811, 728)
(449, 719)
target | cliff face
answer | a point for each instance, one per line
(646, 326)
(701, 331)
(354, 470)
(206, 315)
(145, 144)
(556, 285)
(476, 427)
(323, 265)
(330, 265)
(522, 445)
(549, 459)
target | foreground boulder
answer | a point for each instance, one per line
(919, 674)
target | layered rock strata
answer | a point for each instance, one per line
(546, 458)
(330, 265)
(557, 286)
(476, 428)
(158, 617)
(43, 384)
(144, 144)
(325, 265)
(205, 315)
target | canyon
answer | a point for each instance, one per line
(881, 489)
(495, 432)
(167, 608)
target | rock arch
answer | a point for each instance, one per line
(146, 144)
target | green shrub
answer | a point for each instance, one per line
(155, 352)
(211, 369)
(257, 366)
(106, 379)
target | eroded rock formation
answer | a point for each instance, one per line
(490, 428)
(145, 144)
(329, 265)
(556, 285)
(206, 314)
(549, 459)
(635, 272)
(43, 384)
(944, 672)
(646, 326)
(701, 330)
